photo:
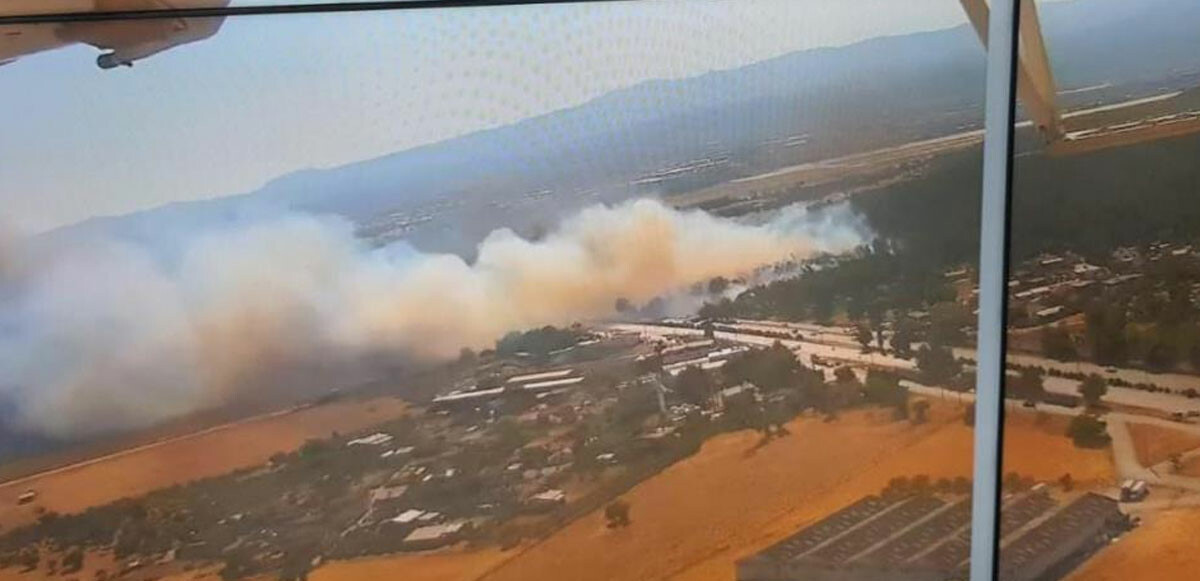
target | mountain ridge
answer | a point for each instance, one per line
(876, 92)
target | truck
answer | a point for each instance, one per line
(1134, 491)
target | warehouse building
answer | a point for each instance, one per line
(926, 537)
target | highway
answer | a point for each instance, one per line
(833, 343)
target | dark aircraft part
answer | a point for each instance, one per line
(110, 60)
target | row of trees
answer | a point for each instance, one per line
(776, 372)
(1030, 385)
(538, 342)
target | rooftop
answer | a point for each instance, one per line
(376, 439)
(553, 383)
(435, 532)
(519, 379)
(927, 536)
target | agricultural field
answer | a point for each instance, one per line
(207, 453)
(1155, 444)
(444, 566)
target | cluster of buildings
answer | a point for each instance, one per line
(539, 385)
(679, 354)
(702, 354)
(546, 402)
(1050, 288)
(423, 524)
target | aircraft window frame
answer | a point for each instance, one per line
(283, 7)
(1000, 106)
(995, 225)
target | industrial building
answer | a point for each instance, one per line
(926, 537)
(434, 536)
(546, 382)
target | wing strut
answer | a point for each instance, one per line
(1035, 79)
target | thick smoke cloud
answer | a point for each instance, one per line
(108, 334)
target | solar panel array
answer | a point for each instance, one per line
(931, 533)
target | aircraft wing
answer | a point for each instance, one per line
(124, 41)
(20, 40)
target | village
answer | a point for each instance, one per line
(557, 423)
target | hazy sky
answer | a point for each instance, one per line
(272, 94)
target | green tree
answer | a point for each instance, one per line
(510, 436)
(903, 337)
(884, 388)
(717, 285)
(695, 386)
(844, 391)
(1028, 385)
(722, 309)
(864, 336)
(1057, 344)
(1162, 355)
(844, 375)
(634, 405)
(965, 382)
(769, 369)
(296, 566)
(745, 412)
(616, 514)
(946, 323)
(1087, 431)
(313, 448)
(649, 363)
(937, 365)
(539, 342)
(72, 560)
(920, 411)
(1106, 325)
(1092, 389)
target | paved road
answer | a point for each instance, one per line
(1172, 380)
(834, 343)
(1127, 396)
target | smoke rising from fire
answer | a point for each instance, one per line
(108, 334)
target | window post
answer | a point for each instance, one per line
(993, 268)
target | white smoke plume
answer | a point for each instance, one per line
(107, 335)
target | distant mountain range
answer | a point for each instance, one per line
(870, 94)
